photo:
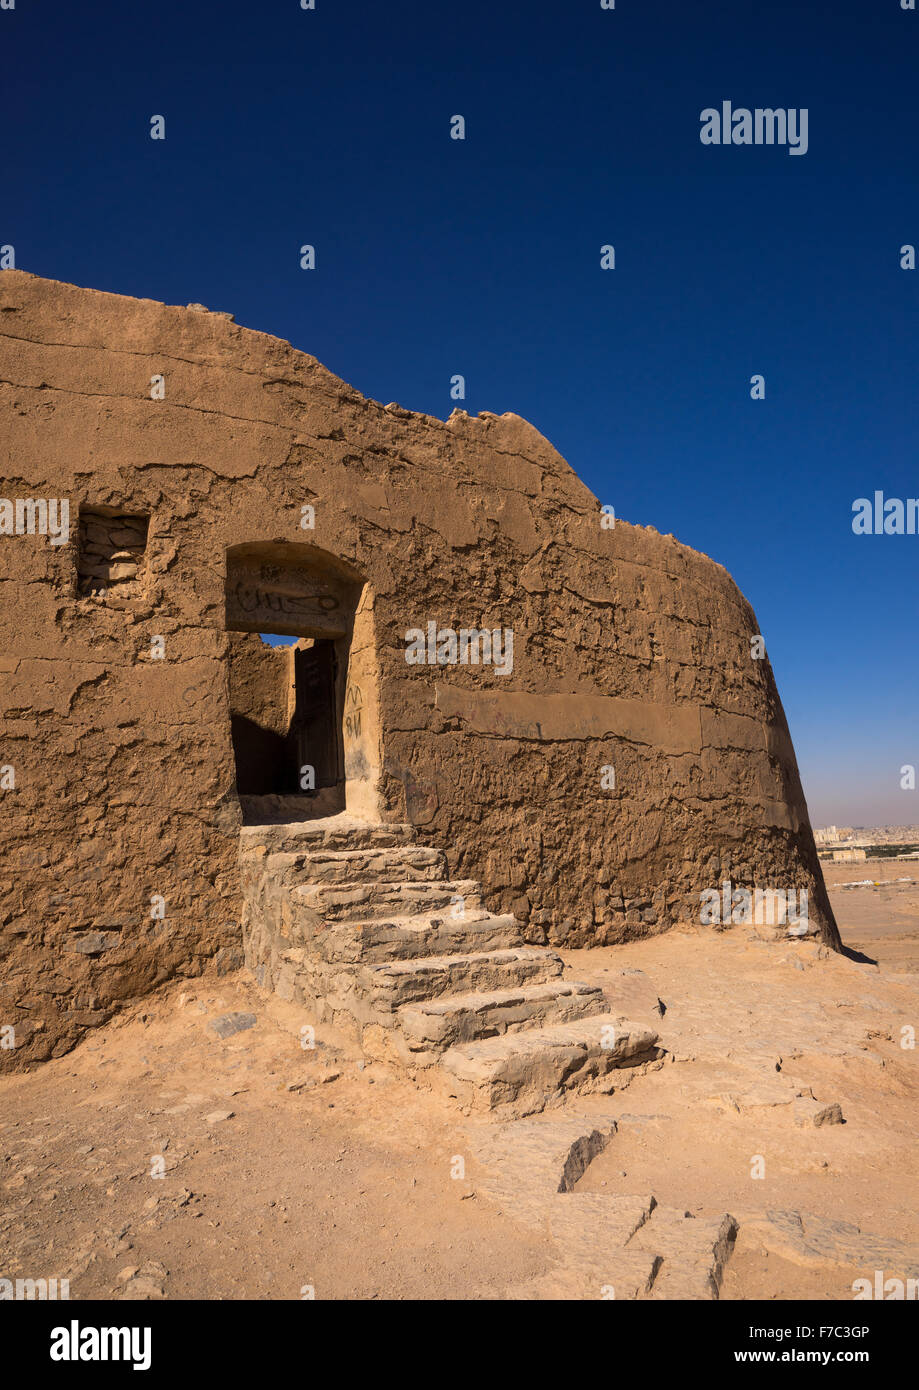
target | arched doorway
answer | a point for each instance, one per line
(304, 715)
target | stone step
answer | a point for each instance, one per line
(409, 863)
(431, 1026)
(420, 935)
(284, 808)
(349, 902)
(428, 977)
(694, 1249)
(340, 832)
(523, 1070)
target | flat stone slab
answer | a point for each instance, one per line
(592, 1229)
(435, 934)
(382, 898)
(626, 1275)
(526, 1068)
(326, 832)
(694, 1252)
(814, 1242)
(93, 943)
(531, 1161)
(404, 981)
(411, 863)
(228, 1024)
(457, 1018)
(609, 1247)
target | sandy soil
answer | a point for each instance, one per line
(344, 1185)
(880, 918)
(287, 1168)
(751, 1020)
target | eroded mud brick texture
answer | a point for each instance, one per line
(630, 651)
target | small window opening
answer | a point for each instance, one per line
(111, 553)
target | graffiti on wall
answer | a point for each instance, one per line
(261, 596)
(354, 704)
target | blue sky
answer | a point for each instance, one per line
(481, 257)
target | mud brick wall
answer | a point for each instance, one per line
(259, 681)
(630, 650)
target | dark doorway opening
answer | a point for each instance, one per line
(296, 756)
(314, 738)
(284, 720)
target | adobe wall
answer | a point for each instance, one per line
(260, 681)
(260, 696)
(630, 650)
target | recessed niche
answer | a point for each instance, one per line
(112, 553)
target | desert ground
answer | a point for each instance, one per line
(290, 1172)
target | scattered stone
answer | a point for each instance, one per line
(308, 1082)
(93, 943)
(809, 1112)
(228, 1024)
(142, 1289)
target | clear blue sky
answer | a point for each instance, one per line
(481, 257)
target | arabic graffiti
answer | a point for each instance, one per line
(354, 700)
(250, 600)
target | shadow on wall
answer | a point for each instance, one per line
(262, 764)
(284, 717)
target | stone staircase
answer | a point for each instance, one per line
(365, 929)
